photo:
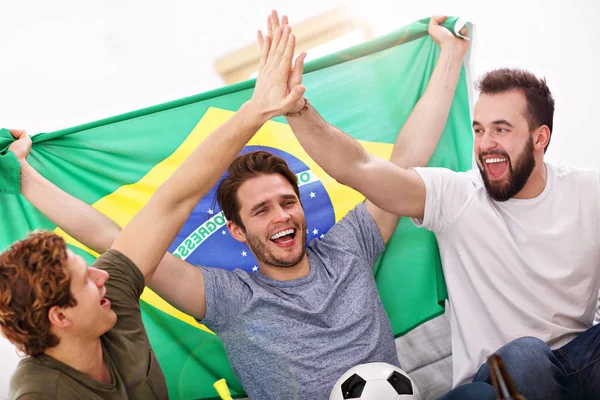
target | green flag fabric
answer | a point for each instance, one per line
(117, 163)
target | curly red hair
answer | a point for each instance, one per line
(33, 278)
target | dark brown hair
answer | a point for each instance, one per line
(33, 278)
(540, 103)
(243, 168)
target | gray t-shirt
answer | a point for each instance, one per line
(294, 339)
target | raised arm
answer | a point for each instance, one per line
(78, 219)
(389, 186)
(344, 158)
(178, 282)
(421, 132)
(392, 188)
(165, 213)
(174, 280)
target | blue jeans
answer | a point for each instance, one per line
(571, 372)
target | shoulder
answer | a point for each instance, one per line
(32, 377)
(114, 261)
(124, 274)
(219, 278)
(564, 170)
(358, 219)
(472, 175)
(236, 274)
(355, 233)
(437, 175)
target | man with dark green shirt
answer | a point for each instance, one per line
(121, 365)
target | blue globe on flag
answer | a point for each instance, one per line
(204, 239)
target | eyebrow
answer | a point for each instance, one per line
(496, 122)
(259, 205)
(502, 122)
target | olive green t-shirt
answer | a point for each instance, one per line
(134, 369)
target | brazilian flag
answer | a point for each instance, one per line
(117, 163)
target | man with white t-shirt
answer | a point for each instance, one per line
(518, 239)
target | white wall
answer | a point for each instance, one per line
(68, 62)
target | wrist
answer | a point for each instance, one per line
(453, 53)
(253, 113)
(26, 176)
(300, 109)
(25, 165)
(454, 47)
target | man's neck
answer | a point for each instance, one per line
(298, 271)
(535, 184)
(85, 356)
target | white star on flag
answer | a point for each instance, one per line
(254, 269)
(244, 254)
(315, 231)
(210, 211)
(223, 232)
(322, 236)
(313, 195)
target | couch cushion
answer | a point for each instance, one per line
(426, 354)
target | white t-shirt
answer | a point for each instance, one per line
(515, 268)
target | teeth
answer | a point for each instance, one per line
(494, 160)
(282, 233)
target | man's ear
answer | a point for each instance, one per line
(58, 317)
(236, 231)
(541, 138)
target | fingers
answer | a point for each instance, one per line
(274, 19)
(295, 94)
(269, 26)
(18, 133)
(282, 49)
(298, 70)
(438, 19)
(265, 47)
(260, 39)
(275, 42)
(279, 44)
(464, 31)
(272, 27)
(288, 53)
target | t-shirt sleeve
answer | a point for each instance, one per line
(123, 288)
(226, 296)
(34, 396)
(356, 233)
(446, 195)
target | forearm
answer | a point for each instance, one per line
(75, 217)
(420, 134)
(204, 166)
(147, 237)
(340, 155)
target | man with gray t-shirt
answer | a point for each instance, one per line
(290, 339)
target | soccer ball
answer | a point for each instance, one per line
(375, 381)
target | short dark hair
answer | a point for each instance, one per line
(540, 103)
(243, 168)
(33, 278)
